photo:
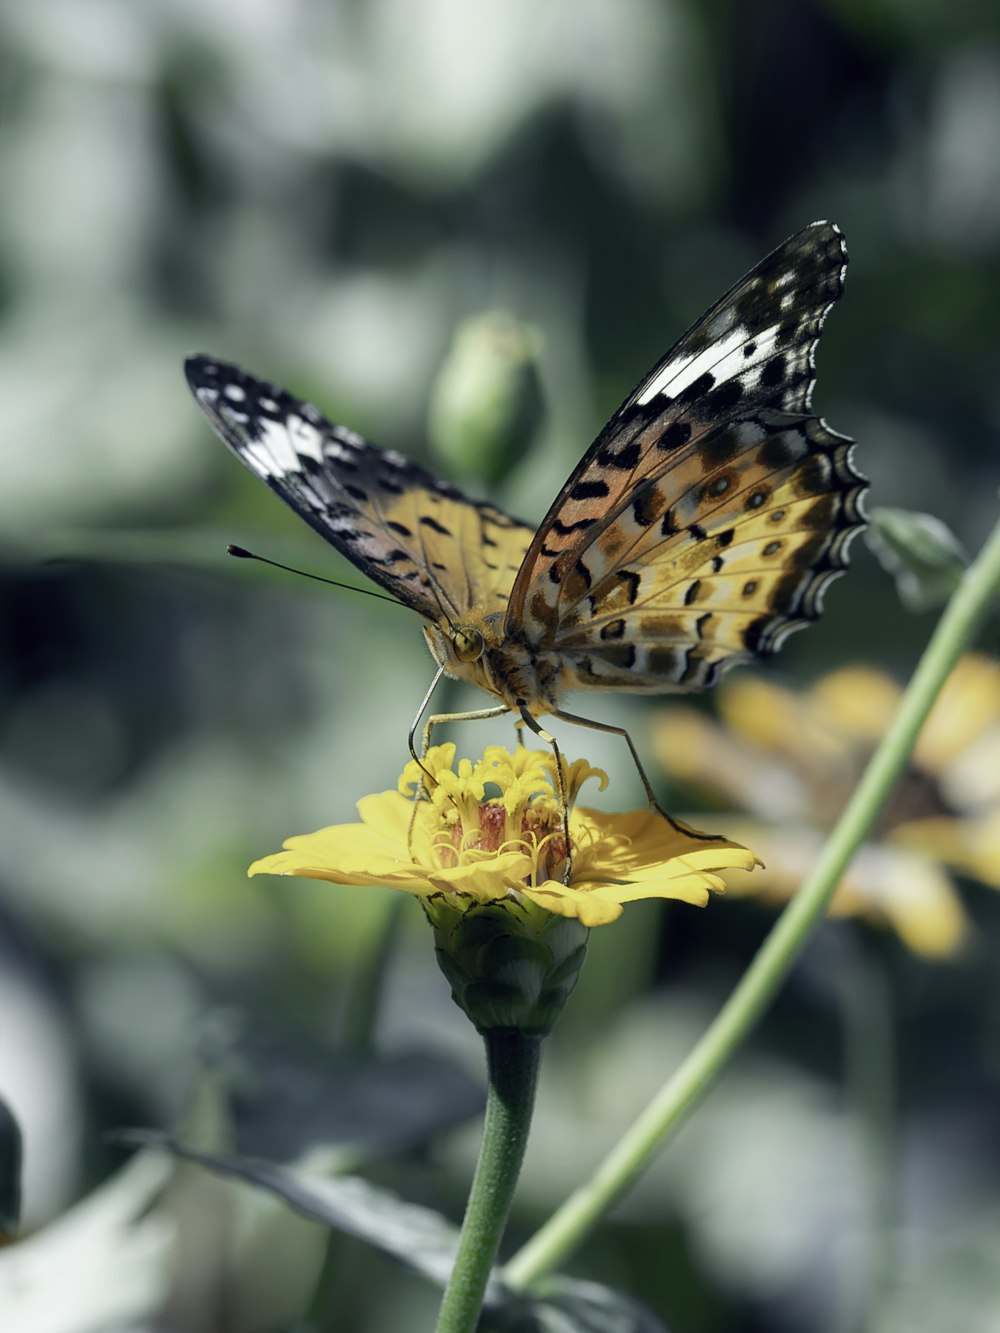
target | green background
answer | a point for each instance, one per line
(323, 192)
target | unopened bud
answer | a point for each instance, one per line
(486, 405)
(921, 553)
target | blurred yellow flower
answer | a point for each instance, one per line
(791, 759)
(491, 831)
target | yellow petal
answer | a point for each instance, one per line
(620, 845)
(725, 767)
(858, 701)
(585, 905)
(486, 880)
(624, 857)
(971, 846)
(438, 759)
(965, 708)
(884, 884)
(778, 720)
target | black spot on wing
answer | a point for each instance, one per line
(697, 390)
(590, 490)
(427, 521)
(623, 459)
(777, 451)
(675, 436)
(721, 400)
(773, 373)
(564, 529)
(719, 448)
(646, 506)
(631, 581)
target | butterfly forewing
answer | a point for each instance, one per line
(705, 521)
(415, 534)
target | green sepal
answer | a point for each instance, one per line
(510, 964)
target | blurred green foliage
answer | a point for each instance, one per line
(325, 193)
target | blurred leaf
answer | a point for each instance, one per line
(921, 553)
(418, 1237)
(486, 403)
(284, 1102)
(573, 1306)
(10, 1174)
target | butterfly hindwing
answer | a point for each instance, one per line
(415, 534)
(705, 521)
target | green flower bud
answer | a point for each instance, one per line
(486, 405)
(920, 552)
(510, 964)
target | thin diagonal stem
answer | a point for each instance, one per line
(567, 1227)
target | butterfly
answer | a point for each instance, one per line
(699, 530)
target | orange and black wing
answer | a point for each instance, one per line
(411, 532)
(708, 517)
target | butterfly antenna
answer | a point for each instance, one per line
(436, 594)
(241, 553)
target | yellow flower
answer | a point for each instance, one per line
(485, 851)
(792, 759)
(511, 844)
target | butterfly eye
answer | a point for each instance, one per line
(468, 645)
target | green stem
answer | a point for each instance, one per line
(512, 1059)
(567, 1227)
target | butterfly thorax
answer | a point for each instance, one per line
(478, 649)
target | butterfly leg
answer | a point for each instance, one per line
(473, 715)
(532, 724)
(419, 759)
(647, 786)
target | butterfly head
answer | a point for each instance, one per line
(479, 650)
(463, 647)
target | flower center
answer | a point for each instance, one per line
(536, 831)
(468, 827)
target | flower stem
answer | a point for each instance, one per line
(512, 1059)
(567, 1227)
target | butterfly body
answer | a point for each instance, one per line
(478, 650)
(701, 527)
